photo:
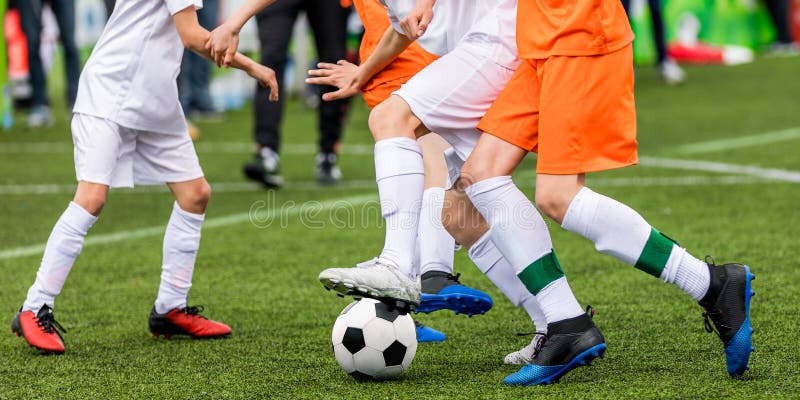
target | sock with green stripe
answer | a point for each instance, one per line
(619, 231)
(519, 232)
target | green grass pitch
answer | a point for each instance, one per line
(261, 277)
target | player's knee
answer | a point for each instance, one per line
(392, 118)
(201, 194)
(93, 203)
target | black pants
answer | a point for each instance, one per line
(658, 27)
(31, 18)
(779, 13)
(328, 22)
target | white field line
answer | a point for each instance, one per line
(244, 187)
(710, 166)
(216, 222)
(202, 147)
(760, 139)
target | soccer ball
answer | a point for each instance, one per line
(372, 341)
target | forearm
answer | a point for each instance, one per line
(196, 39)
(250, 8)
(390, 46)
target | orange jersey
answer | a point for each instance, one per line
(571, 28)
(375, 19)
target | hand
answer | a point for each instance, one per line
(416, 22)
(266, 78)
(343, 75)
(222, 44)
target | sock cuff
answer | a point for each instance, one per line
(487, 185)
(79, 217)
(586, 201)
(397, 156)
(483, 253)
(191, 217)
(433, 194)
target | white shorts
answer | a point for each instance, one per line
(451, 95)
(114, 155)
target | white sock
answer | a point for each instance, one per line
(687, 273)
(557, 301)
(400, 175)
(489, 260)
(63, 247)
(181, 242)
(521, 235)
(619, 231)
(517, 228)
(435, 244)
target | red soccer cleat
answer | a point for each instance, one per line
(41, 331)
(186, 321)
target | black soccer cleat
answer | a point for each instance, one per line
(265, 169)
(570, 343)
(328, 172)
(727, 306)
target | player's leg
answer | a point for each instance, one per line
(328, 21)
(621, 232)
(170, 158)
(275, 27)
(519, 232)
(170, 314)
(603, 136)
(100, 158)
(440, 288)
(35, 321)
(471, 230)
(399, 172)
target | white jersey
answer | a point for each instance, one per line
(130, 78)
(489, 23)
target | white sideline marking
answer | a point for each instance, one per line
(710, 166)
(712, 146)
(202, 147)
(216, 222)
(245, 187)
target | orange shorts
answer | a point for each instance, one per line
(576, 113)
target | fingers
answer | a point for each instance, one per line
(273, 88)
(424, 22)
(321, 81)
(320, 72)
(331, 96)
(231, 53)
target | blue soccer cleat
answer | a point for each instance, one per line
(727, 306)
(443, 291)
(570, 343)
(428, 334)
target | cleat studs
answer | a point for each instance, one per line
(327, 288)
(340, 295)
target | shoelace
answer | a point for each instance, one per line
(454, 278)
(49, 325)
(193, 311)
(710, 315)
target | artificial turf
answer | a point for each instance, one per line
(257, 268)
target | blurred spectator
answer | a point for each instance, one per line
(668, 69)
(328, 21)
(195, 76)
(779, 13)
(31, 19)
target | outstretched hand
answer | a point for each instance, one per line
(266, 78)
(416, 22)
(343, 75)
(222, 44)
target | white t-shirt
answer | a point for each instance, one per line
(489, 23)
(130, 78)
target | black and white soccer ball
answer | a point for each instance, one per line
(372, 341)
